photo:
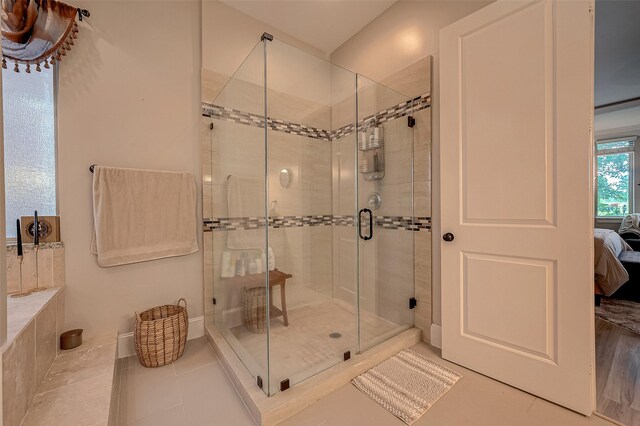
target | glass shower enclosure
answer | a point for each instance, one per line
(311, 207)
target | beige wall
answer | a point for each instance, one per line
(405, 33)
(129, 96)
(228, 37)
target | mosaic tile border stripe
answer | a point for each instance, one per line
(235, 223)
(407, 223)
(404, 108)
(256, 120)
(250, 119)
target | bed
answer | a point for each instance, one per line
(610, 274)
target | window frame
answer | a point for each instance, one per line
(55, 83)
(632, 174)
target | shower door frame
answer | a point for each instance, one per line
(371, 283)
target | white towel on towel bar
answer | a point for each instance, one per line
(142, 215)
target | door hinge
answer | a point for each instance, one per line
(259, 381)
(411, 121)
(412, 303)
(284, 385)
(214, 300)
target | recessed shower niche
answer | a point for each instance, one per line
(304, 266)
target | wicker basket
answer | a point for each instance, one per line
(161, 334)
(254, 309)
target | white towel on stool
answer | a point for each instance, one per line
(142, 215)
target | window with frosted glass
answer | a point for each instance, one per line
(29, 144)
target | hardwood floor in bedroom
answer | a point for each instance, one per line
(617, 373)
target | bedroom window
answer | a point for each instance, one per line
(29, 116)
(614, 186)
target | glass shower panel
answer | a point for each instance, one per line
(238, 214)
(308, 205)
(385, 211)
(310, 329)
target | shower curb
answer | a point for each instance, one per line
(269, 411)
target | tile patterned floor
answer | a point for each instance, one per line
(193, 391)
(475, 400)
(304, 348)
(196, 391)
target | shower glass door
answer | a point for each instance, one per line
(309, 329)
(384, 213)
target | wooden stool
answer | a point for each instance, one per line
(276, 277)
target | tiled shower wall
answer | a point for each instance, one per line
(391, 259)
(312, 253)
(414, 80)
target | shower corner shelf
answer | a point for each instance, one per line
(378, 145)
(371, 145)
(371, 176)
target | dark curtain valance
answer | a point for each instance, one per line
(36, 31)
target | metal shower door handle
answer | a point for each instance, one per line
(368, 237)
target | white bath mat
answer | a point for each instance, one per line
(407, 384)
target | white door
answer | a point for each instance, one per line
(516, 159)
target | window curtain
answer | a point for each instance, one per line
(36, 31)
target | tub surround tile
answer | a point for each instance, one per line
(21, 311)
(77, 366)
(85, 403)
(115, 392)
(26, 247)
(58, 276)
(79, 388)
(46, 339)
(60, 306)
(50, 267)
(19, 375)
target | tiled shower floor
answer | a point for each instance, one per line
(305, 347)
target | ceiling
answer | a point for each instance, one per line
(617, 56)
(324, 24)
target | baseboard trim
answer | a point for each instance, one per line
(125, 341)
(436, 336)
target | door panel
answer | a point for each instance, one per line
(523, 73)
(385, 242)
(517, 278)
(527, 299)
